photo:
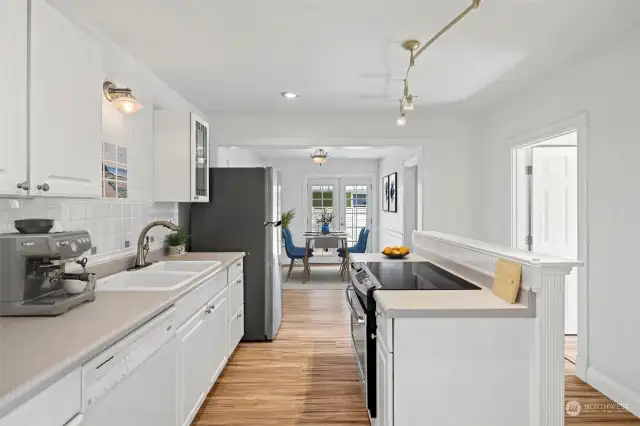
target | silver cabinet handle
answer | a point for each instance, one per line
(23, 185)
(44, 187)
(239, 282)
(240, 315)
(374, 336)
(209, 309)
(239, 264)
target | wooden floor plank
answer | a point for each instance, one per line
(307, 376)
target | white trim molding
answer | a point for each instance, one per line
(579, 123)
(614, 390)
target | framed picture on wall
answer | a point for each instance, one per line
(393, 192)
(385, 194)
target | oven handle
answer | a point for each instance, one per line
(351, 308)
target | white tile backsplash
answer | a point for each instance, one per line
(109, 222)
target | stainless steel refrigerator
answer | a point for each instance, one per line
(243, 214)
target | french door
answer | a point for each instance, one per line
(348, 199)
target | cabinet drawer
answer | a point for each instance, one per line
(236, 294)
(235, 269)
(193, 301)
(385, 329)
(54, 406)
(236, 329)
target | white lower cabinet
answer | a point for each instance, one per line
(236, 329)
(384, 384)
(217, 325)
(193, 358)
(202, 356)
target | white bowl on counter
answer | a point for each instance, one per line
(74, 286)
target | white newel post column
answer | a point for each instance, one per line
(547, 367)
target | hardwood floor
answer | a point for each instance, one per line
(307, 376)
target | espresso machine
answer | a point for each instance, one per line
(33, 275)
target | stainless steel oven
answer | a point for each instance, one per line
(363, 329)
(358, 330)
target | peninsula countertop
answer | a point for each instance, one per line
(35, 352)
(480, 303)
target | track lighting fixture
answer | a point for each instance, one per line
(414, 48)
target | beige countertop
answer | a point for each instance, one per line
(37, 351)
(445, 303)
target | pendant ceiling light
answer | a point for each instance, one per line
(122, 98)
(414, 49)
(319, 156)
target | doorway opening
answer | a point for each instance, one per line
(546, 211)
(410, 208)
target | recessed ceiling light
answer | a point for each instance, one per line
(289, 95)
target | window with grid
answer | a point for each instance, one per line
(321, 199)
(356, 211)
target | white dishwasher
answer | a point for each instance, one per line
(134, 382)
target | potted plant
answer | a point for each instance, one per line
(287, 217)
(176, 242)
(325, 220)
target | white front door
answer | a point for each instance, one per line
(555, 216)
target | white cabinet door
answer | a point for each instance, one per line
(384, 384)
(194, 359)
(200, 159)
(236, 329)
(217, 324)
(66, 106)
(13, 86)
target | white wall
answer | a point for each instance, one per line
(606, 87)
(390, 230)
(450, 143)
(239, 157)
(112, 222)
(294, 173)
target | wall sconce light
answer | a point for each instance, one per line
(121, 98)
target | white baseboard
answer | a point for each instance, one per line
(615, 391)
(582, 368)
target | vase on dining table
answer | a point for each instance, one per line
(325, 229)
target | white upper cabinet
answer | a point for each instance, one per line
(13, 87)
(66, 79)
(181, 157)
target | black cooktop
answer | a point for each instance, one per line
(416, 276)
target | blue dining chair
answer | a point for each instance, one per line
(294, 253)
(361, 245)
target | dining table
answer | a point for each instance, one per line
(335, 239)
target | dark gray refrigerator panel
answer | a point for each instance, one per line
(240, 202)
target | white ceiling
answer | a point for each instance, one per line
(345, 55)
(335, 152)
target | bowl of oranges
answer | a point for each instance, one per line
(395, 252)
